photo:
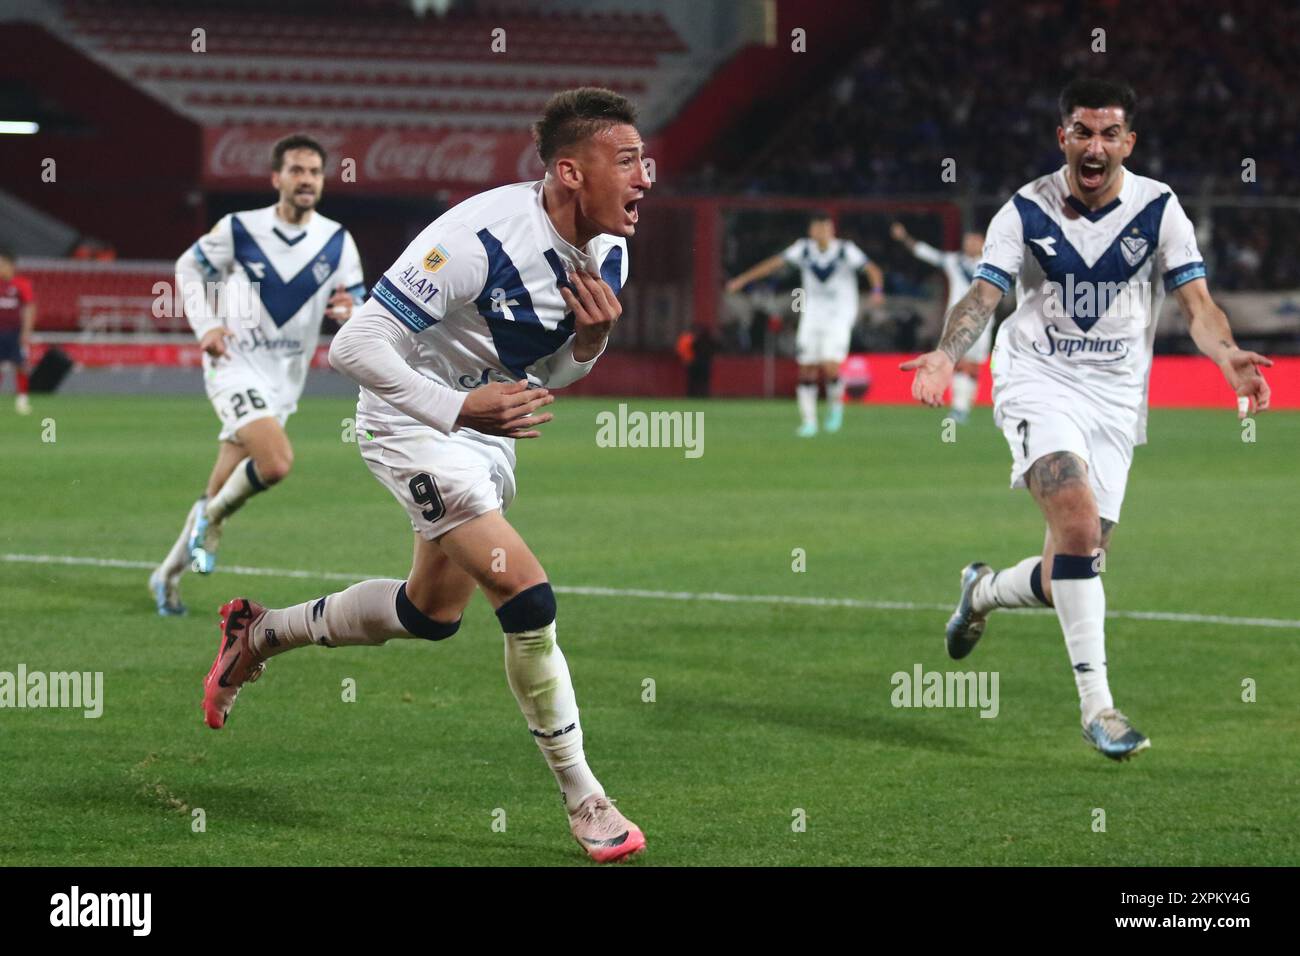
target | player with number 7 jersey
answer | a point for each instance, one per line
(255, 291)
(506, 296)
(1092, 249)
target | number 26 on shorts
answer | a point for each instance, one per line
(240, 402)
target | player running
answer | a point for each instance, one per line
(959, 269)
(17, 319)
(505, 296)
(256, 290)
(1092, 249)
(829, 268)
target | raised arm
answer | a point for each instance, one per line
(754, 273)
(923, 251)
(964, 324)
(1210, 331)
(877, 279)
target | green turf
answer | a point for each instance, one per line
(761, 709)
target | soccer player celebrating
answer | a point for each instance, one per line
(256, 289)
(1092, 249)
(509, 294)
(829, 269)
(17, 319)
(959, 269)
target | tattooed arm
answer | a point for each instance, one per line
(966, 320)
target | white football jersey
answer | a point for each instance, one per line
(479, 293)
(829, 279)
(958, 268)
(1089, 291)
(273, 283)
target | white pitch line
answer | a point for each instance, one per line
(712, 596)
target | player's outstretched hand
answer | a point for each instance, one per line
(214, 342)
(1242, 370)
(933, 375)
(505, 409)
(595, 309)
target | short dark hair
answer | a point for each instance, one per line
(820, 215)
(7, 253)
(1095, 93)
(573, 116)
(294, 141)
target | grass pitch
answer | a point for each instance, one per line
(771, 737)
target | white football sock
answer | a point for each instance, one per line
(835, 392)
(539, 678)
(242, 484)
(1080, 603)
(178, 558)
(1010, 587)
(371, 612)
(963, 392)
(807, 397)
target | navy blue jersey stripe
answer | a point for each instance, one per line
(1098, 285)
(504, 302)
(281, 299)
(611, 270)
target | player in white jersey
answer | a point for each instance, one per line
(828, 311)
(1092, 249)
(256, 289)
(959, 269)
(505, 296)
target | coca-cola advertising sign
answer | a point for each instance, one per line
(383, 161)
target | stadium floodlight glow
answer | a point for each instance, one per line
(19, 127)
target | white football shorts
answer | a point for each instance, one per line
(240, 395)
(822, 340)
(1052, 422)
(441, 480)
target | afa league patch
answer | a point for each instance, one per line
(436, 258)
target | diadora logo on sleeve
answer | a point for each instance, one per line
(1046, 244)
(416, 284)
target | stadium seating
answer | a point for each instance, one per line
(383, 67)
(94, 298)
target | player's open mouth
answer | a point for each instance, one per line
(1091, 173)
(630, 209)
